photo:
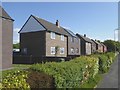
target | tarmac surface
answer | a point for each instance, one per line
(110, 79)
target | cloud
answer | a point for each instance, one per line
(16, 35)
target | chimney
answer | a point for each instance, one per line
(84, 35)
(57, 23)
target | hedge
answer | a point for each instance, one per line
(70, 74)
(105, 60)
(14, 79)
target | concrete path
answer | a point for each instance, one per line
(110, 79)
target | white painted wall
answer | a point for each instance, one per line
(31, 26)
(88, 48)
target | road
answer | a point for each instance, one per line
(110, 79)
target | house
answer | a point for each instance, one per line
(99, 46)
(104, 48)
(6, 39)
(73, 44)
(86, 44)
(41, 38)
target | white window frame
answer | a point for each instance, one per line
(61, 50)
(77, 50)
(52, 49)
(52, 35)
(72, 50)
(62, 37)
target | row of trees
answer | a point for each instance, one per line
(111, 45)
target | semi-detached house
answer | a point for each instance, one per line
(39, 37)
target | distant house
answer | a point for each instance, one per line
(6, 36)
(73, 44)
(39, 37)
(104, 47)
(99, 46)
(86, 45)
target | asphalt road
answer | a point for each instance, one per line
(110, 79)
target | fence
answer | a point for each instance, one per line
(25, 59)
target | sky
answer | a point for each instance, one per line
(97, 20)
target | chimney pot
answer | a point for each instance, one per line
(57, 23)
(84, 35)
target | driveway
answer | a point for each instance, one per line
(110, 79)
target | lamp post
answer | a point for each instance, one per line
(115, 38)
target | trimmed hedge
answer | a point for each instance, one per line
(105, 60)
(77, 73)
(70, 74)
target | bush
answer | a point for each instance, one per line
(14, 79)
(70, 74)
(77, 73)
(105, 60)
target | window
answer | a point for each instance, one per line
(77, 50)
(72, 39)
(61, 50)
(72, 50)
(24, 50)
(62, 37)
(77, 40)
(52, 35)
(52, 50)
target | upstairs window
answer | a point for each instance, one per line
(52, 50)
(62, 37)
(61, 50)
(52, 35)
(72, 39)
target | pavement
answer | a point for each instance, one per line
(110, 79)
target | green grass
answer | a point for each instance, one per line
(14, 68)
(21, 66)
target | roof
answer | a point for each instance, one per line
(84, 38)
(103, 44)
(50, 26)
(96, 42)
(5, 14)
(70, 32)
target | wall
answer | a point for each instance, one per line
(55, 42)
(7, 42)
(75, 45)
(34, 42)
(88, 48)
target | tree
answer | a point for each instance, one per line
(16, 46)
(112, 45)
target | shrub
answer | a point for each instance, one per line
(70, 74)
(105, 60)
(15, 79)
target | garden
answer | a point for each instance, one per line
(80, 72)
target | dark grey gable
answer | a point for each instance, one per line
(32, 25)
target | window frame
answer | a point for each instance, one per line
(72, 50)
(62, 37)
(53, 35)
(52, 49)
(61, 50)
